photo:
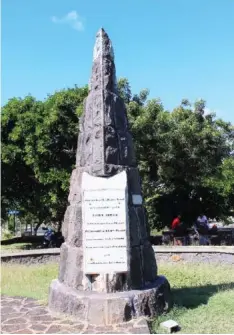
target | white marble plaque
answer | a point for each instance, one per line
(105, 223)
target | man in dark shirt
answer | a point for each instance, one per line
(202, 227)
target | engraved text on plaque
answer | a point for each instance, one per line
(105, 228)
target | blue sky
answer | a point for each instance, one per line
(176, 48)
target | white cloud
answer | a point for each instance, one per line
(72, 19)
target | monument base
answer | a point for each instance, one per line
(110, 308)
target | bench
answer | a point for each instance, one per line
(217, 238)
(168, 237)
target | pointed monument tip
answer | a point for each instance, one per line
(101, 32)
(102, 45)
(103, 50)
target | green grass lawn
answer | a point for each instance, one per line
(203, 294)
(203, 298)
(17, 247)
(155, 232)
(28, 281)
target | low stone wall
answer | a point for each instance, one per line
(32, 256)
(196, 254)
(185, 254)
(23, 239)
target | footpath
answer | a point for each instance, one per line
(26, 316)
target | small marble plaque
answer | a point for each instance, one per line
(105, 224)
(137, 199)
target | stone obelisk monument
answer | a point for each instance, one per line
(108, 271)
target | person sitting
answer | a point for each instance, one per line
(202, 228)
(180, 231)
(202, 224)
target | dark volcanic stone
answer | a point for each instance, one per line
(105, 148)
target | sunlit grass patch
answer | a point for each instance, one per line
(203, 294)
(203, 298)
(28, 281)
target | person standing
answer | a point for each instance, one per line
(179, 230)
(176, 222)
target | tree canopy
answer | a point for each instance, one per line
(183, 156)
(38, 153)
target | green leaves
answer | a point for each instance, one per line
(39, 147)
(182, 155)
(124, 90)
(177, 152)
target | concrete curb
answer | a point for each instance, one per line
(31, 253)
(194, 249)
(157, 249)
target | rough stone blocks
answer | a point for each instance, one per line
(110, 308)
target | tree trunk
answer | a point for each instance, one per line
(59, 226)
(36, 228)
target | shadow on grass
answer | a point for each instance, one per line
(18, 247)
(30, 246)
(23, 239)
(192, 297)
(187, 298)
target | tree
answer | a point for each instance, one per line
(221, 189)
(183, 156)
(124, 90)
(199, 106)
(176, 152)
(38, 152)
(52, 153)
(141, 97)
(18, 179)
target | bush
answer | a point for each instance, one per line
(6, 234)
